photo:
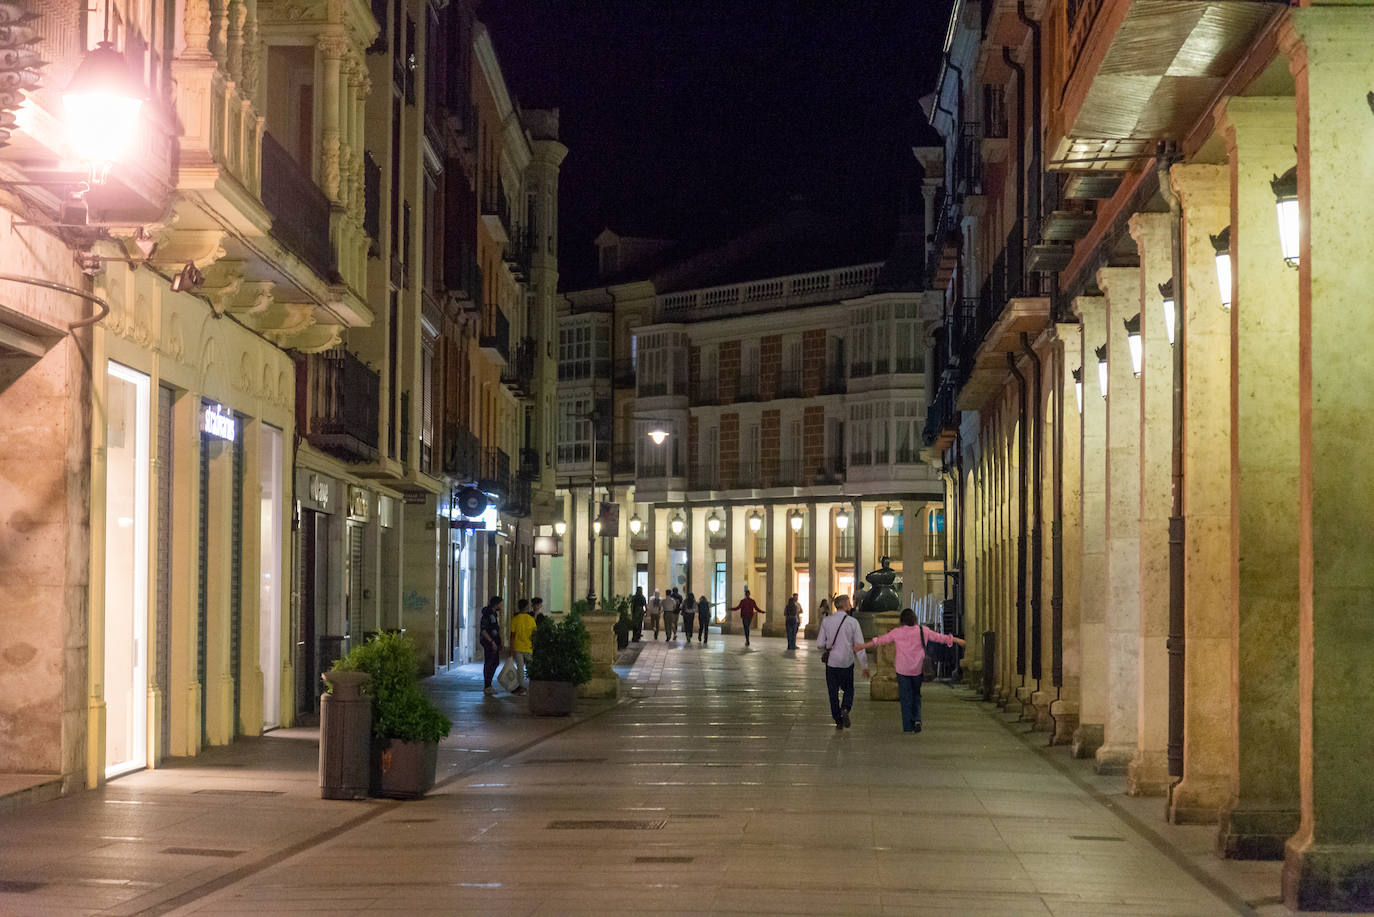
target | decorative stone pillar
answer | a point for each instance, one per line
(699, 577)
(1066, 709)
(779, 570)
(660, 555)
(1149, 769)
(1329, 863)
(219, 30)
(883, 661)
(332, 50)
(1122, 289)
(601, 634)
(737, 565)
(822, 564)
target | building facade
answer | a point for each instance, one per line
(248, 366)
(1150, 396)
(731, 450)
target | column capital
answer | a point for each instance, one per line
(1085, 306)
(1201, 186)
(1149, 228)
(1119, 282)
(1271, 118)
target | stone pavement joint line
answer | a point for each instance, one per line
(718, 786)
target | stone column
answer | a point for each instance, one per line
(1066, 710)
(779, 570)
(883, 660)
(1149, 769)
(332, 50)
(660, 556)
(1255, 782)
(822, 564)
(1047, 349)
(737, 564)
(1329, 863)
(1122, 289)
(699, 580)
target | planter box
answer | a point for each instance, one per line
(403, 770)
(552, 698)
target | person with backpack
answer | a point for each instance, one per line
(911, 639)
(703, 618)
(689, 615)
(839, 640)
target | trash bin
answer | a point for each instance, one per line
(345, 736)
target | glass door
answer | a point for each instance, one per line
(126, 570)
(269, 567)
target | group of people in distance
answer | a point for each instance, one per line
(665, 610)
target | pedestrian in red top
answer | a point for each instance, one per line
(747, 608)
(911, 639)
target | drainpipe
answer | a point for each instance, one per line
(1036, 197)
(1037, 505)
(1020, 520)
(1057, 531)
(1020, 144)
(1177, 633)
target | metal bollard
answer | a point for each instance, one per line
(345, 737)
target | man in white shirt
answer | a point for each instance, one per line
(839, 634)
(669, 607)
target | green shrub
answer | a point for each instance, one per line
(400, 709)
(562, 651)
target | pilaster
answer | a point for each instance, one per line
(779, 570)
(822, 564)
(1067, 709)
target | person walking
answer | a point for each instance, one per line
(638, 604)
(839, 641)
(703, 618)
(489, 635)
(791, 616)
(747, 608)
(689, 615)
(521, 642)
(823, 611)
(670, 606)
(911, 639)
(537, 609)
(655, 611)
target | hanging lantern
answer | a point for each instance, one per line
(1285, 189)
(1102, 369)
(636, 524)
(755, 521)
(1078, 387)
(596, 527)
(1166, 290)
(1221, 244)
(888, 518)
(658, 435)
(796, 519)
(560, 528)
(102, 102)
(1133, 340)
(677, 524)
(842, 519)
(713, 523)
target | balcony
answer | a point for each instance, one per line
(529, 465)
(767, 295)
(789, 384)
(1140, 71)
(518, 501)
(703, 393)
(462, 452)
(300, 210)
(653, 389)
(372, 197)
(495, 335)
(496, 215)
(518, 375)
(623, 374)
(703, 477)
(622, 459)
(942, 419)
(968, 160)
(342, 403)
(493, 473)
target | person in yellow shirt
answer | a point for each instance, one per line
(521, 642)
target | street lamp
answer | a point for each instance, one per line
(713, 523)
(658, 435)
(1102, 368)
(102, 102)
(1221, 244)
(889, 518)
(755, 521)
(1078, 387)
(677, 524)
(636, 524)
(842, 519)
(1166, 290)
(560, 528)
(796, 519)
(1285, 188)
(1133, 339)
(596, 527)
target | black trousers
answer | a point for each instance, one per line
(703, 626)
(491, 658)
(688, 619)
(837, 680)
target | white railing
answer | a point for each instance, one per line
(772, 293)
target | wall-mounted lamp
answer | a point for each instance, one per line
(1078, 387)
(755, 520)
(888, 518)
(560, 528)
(1102, 368)
(102, 102)
(1285, 189)
(677, 524)
(596, 527)
(796, 519)
(842, 519)
(658, 435)
(713, 523)
(636, 524)
(1221, 244)
(1166, 290)
(1133, 340)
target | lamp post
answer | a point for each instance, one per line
(1285, 188)
(842, 519)
(1221, 244)
(888, 519)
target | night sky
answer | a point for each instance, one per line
(692, 119)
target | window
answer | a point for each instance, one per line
(574, 431)
(906, 422)
(426, 403)
(584, 349)
(907, 339)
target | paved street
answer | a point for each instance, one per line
(718, 785)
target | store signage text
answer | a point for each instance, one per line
(216, 420)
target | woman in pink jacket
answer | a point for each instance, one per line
(911, 639)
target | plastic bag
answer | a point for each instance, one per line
(508, 678)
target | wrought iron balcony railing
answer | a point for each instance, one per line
(300, 210)
(462, 453)
(519, 372)
(342, 398)
(494, 472)
(495, 334)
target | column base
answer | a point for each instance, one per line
(1328, 877)
(1040, 703)
(1254, 832)
(1113, 760)
(811, 631)
(883, 687)
(1065, 716)
(1087, 739)
(1147, 774)
(1197, 800)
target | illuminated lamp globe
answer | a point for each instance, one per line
(1221, 244)
(842, 520)
(102, 103)
(677, 524)
(1285, 188)
(560, 528)
(658, 436)
(889, 519)
(713, 523)
(755, 521)
(796, 520)
(1133, 340)
(636, 524)
(1102, 369)
(1166, 290)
